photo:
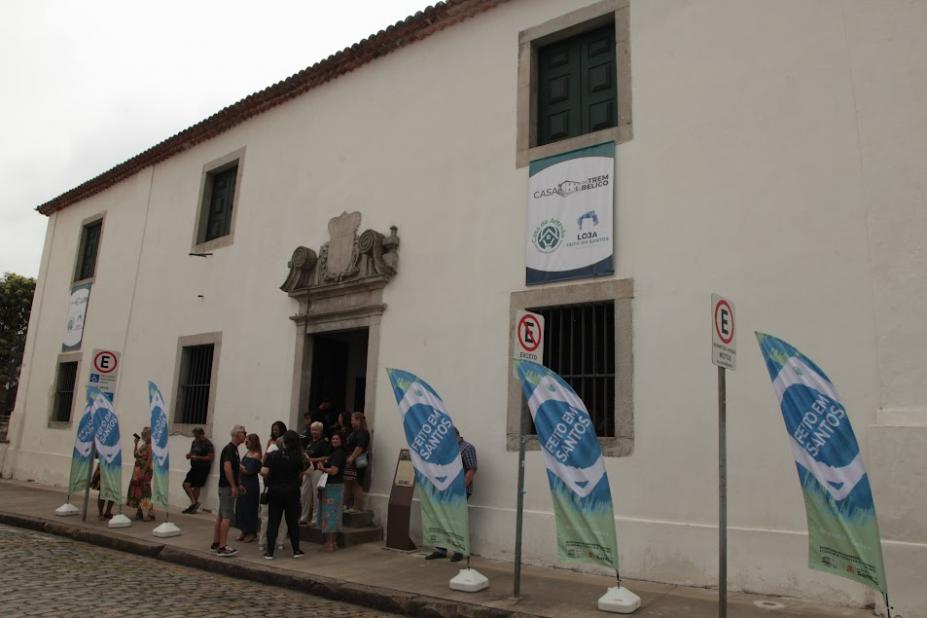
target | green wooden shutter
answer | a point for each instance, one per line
(559, 109)
(599, 77)
(219, 219)
(577, 85)
(90, 243)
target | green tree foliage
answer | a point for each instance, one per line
(15, 304)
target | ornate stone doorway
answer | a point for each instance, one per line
(340, 295)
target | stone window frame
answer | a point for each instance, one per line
(205, 193)
(64, 357)
(621, 291)
(79, 252)
(186, 341)
(564, 27)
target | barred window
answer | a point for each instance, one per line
(195, 379)
(580, 346)
(64, 392)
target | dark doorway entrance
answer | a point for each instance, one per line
(339, 370)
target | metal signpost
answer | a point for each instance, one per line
(724, 355)
(529, 345)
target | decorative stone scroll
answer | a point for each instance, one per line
(345, 259)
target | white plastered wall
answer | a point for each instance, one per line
(777, 158)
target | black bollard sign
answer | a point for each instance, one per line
(400, 504)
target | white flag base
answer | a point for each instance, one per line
(165, 530)
(469, 580)
(119, 521)
(619, 600)
(66, 509)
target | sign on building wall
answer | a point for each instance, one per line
(104, 369)
(529, 336)
(77, 313)
(570, 212)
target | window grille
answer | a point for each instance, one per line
(579, 344)
(196, 375)
(64, 392)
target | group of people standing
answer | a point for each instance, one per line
(304, 480)
(309, 479)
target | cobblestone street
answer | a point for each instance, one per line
(45, 575)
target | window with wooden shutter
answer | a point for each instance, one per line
(87, 255)
(577, 85)
(220, 196)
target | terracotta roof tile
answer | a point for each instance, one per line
(413, 28)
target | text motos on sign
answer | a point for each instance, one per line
(723, 333)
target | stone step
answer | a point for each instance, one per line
(346, 538)
(361, 519)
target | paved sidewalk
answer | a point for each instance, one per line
(389, 581)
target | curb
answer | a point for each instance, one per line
(382, 599)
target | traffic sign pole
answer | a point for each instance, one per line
(519, 502)
(722, 494)
(724, 355)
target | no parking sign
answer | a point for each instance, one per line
(723, 333)
(529, 336)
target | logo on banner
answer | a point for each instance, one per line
(570, 187)
(591, 216)
(548, 235)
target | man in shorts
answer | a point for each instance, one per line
(201, 455)
(229, 469)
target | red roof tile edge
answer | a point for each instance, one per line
(414, 28)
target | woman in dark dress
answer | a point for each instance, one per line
(330, 496)
(282, 472)
(355, 470)
(249, 501)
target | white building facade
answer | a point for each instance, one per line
(772, 151)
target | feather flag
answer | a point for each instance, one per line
(575, 467)
(159, 452)
(436, 458)
(109, 449)
(83, 450)
(843, 532)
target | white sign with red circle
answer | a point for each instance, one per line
(723, 333)
(105, 361)
(103, 372)
(529, 336)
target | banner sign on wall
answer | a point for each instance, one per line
(843, 532)
(436, 457)
(77, 313)
(160, 456)
(570, 206)
(109, 449)
(83, 450)
(575, 468)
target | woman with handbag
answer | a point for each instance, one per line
(248, 504)
(283, 471)
(357, 445)
(331, 489)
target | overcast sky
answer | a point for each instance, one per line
(85, 85)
